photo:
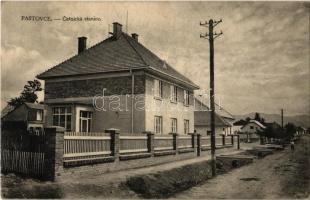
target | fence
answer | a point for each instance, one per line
(24, 152)
(163, 143)
(84, 147)
(43, 154)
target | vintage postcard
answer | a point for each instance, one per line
(155, 100)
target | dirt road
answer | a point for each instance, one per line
(284, 174)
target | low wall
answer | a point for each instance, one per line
(117, 165)
(91, 154)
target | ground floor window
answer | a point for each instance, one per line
(174, 125)
(158, 124)
(62, 117)
(85, 121)
(186, 126)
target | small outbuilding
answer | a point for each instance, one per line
(30, 114)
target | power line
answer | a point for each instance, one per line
(211, 36)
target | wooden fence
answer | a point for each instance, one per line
(82, 147)
(133, 144)
(163, 143)
(39, 154)
(23, 152)
(79, 146)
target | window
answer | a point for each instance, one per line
(186, 126)
(158, 90)
(174, 125)
(158, 125)
(251, 127)
(85, 121)
(62, 117)
(186, 97)
(173, 93)
(39, 115)
(35, 115)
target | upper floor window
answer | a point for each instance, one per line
(251, 127)
(35, 115)
(158, 90)
(186, 97)
(173, 93)
(158, 124)
(85, 121)
(174, 125)
(39, 115)
(62, 117)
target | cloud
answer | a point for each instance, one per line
(18, 66)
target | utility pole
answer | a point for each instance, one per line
(211, 37)
(282, 118)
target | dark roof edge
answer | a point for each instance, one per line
(192, 85)
(83, 74)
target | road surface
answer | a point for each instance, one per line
(284, 174)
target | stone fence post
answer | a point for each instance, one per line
(54, 151)
(198, 144)
(232, 140)
(115, 142)
(175, 142)
(194, 141)
(150, 142)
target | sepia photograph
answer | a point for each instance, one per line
(155, 100)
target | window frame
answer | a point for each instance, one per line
(174, 125)
(186, 97)
(41, 113)
(186, 126)
(59, 115)
(173, 93)
(88, 120)
(158, 89)
(158, 128)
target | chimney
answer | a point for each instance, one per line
(81, 44)
(117, 30)
(135, 36)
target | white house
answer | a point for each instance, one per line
(249, 131)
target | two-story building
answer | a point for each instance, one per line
(118, 83)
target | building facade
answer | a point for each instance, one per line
(118, 83)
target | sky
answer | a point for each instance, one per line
(261, 60)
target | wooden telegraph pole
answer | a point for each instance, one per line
(211, 37)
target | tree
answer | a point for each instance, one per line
(28, 94)
(289, 130)
(257, 117)
(262, 120)
(247, 119)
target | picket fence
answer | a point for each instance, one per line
(23, 153)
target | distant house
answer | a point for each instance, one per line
(30, 114)
(250, 129)
(223, 119)
(118, 83)
(301, 131)
(273, 125)
(238, 125)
